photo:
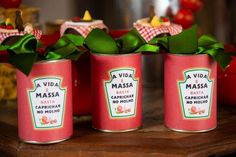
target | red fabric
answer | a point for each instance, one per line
(50, 39)
(227, 79)
(118, 33)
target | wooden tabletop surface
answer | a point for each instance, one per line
(152, 140)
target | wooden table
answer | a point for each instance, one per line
(152, 140)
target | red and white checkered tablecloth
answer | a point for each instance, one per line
(5, 34)
(148, 33)
(84, 30)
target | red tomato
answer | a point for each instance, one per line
(230, 48)
(193, 5)
(76, 19)
(193, 109)
(3, 26)
(165, 19)
(44, 119)
(184, 17)
(10, 3)
(9, 27)
(119, 109)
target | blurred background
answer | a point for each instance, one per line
(216, 17)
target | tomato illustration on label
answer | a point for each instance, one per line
(121, 92)
(120, 110)
(44, 120)
(194, 110)
(196, 93)
(47, 102)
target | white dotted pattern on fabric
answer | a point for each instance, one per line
(148, 33)
(4, 35)
(83, 30)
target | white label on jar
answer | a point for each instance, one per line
(196, 94)
(122, 92)
(47, 102)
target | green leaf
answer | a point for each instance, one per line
(26, 44)
(222, 58)
(75, 55)
(163, 41)
(61, 52)
(185, 42)
(65, 47)
(129, 42)
(24, 61)
(4, 47)
(77, 40)
(148, 48)
(206, 40)
(39, 44)
(99, 42)
(153, 41)
(60, 43)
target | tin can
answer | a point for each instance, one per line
(190, 92)
(45, 103)
(81, 90)
(116, 92)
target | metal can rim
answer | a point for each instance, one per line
(117, 131)
(52, 61)
(191, 131)
(185, 55)
(46, 143)
(115, 55)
